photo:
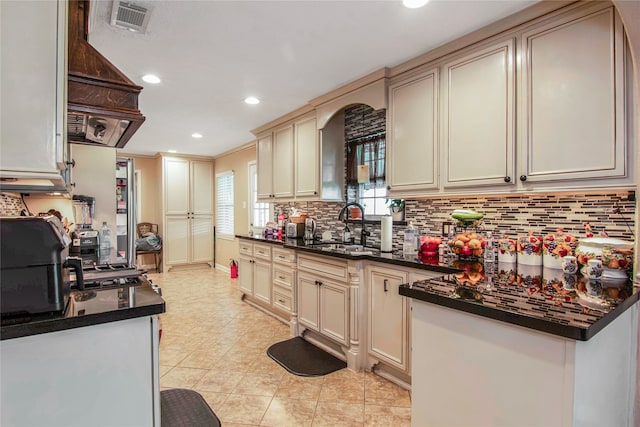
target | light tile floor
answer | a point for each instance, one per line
(214, 343)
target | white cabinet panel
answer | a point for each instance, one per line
(413, 134)
(177, 183)
(201, 187)
(388, 317)
(245, 275)
(478, 117)
(334, 309)
(573, 99)
(308, 302)
(264, 148)
(201, 239)
(307, 158)
(262, 281)
(176, 240)
(33, 79)
(283, 162)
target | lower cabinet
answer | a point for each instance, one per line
(188, 240)
(254, 272)
(323, 306)
(388, 317)
(284, 279)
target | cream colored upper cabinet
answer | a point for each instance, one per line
(573, 103)
(283, 162)
(264, 149)
(177, 183)
(33, 75)
(412, 145)
(307, 158)
(478, 117)
(201, 187)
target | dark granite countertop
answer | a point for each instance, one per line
(92, 307)
(369, 254)
(543, 299)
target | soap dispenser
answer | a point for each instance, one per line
(346, 234)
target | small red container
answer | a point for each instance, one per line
(233, 268)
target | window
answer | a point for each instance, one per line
(368, 150)
(259, 213)
(224, 204)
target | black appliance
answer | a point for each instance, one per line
(34, 267)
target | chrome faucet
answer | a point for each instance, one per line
(363, 232)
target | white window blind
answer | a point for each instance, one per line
(224, 204)
(259, 213)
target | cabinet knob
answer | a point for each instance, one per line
(71, 163)
(315, 193)
(507, 179)
(385, 285)
(523, 178)
(388, 187)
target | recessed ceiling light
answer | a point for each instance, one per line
(252, 100)
(172, 151)
(151, 78)
(196, 135)
(414, 4)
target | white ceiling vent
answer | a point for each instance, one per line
(131, 16)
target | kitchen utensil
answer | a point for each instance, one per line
(309, 229)
(569, 264)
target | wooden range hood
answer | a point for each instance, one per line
(102, 106)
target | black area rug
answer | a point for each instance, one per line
(180, 407)
(302, 358)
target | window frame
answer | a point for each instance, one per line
(252, 171)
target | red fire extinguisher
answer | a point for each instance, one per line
(233, 268)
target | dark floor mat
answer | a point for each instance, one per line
(302, 358)
(180, 407)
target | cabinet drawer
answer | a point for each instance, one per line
(262, 251)
(282, 298)
(283, 276)
(284, 256)
(246, 248)
(323, 266)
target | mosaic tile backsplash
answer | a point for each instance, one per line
(511, 215)
(10, 204)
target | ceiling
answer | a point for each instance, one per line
(210, 55)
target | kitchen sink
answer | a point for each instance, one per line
(344, 248)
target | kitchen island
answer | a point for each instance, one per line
(95, 364)
(514, 346)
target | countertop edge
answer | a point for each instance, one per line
(566, 331)
(65, 323)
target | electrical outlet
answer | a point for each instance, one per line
(631, 196)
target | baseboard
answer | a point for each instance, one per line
(222, 267)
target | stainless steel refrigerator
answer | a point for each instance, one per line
(125, 211)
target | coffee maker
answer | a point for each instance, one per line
(85, 242)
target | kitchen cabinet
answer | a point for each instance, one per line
(188, 211)
(323, 300)
(388, 312)
(104, 366)
(255, 271)
(573, 99)
(284, 279)
(275, 164)
(478, 117)
(307, 158)
(412, 124)
(33, 73)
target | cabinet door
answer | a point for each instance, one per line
(245, 275)
(478, 119)
(388, 317)
(283, 162)
(176, 240)
(201, 187)
(176, 186)
(307, 160)
(308, 302)
(202, 239)
(573, 103)
(262, 281)
(265, 166)
(413, 134)
(32, 73)
(334, 309)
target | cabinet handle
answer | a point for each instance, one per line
(507, 179)
(388, 187)
(280, 257)
(318, 282)
(385, 285)
(523, 178)
(281, 301)
(281, 277)
(71, 163)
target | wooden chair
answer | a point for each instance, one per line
(144, 228)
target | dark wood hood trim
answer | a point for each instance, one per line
(95, 85)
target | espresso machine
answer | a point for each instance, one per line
(85, 241)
